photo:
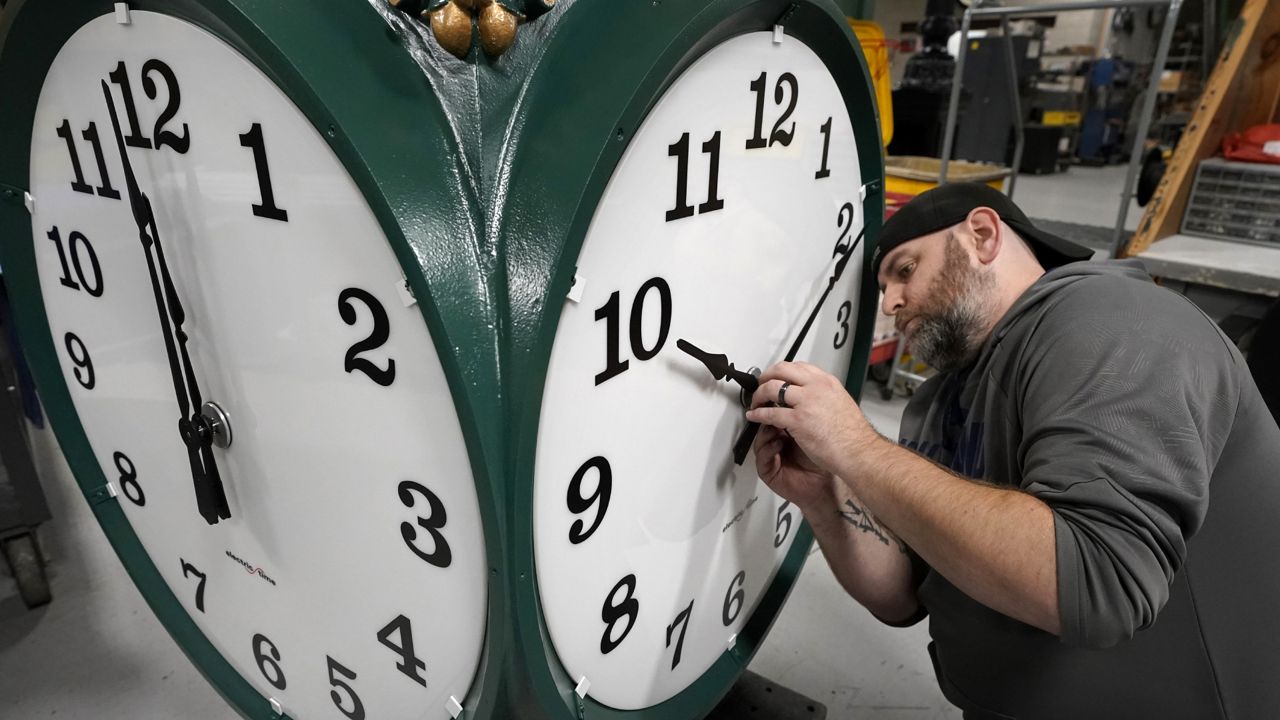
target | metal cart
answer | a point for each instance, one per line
(22, 503)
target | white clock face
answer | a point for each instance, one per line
(720, 227)
(350, 577)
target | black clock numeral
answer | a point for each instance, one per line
(135, 138)
(758, 140)
(780, 535)
(79, 246)
(682, 619)
(267, 209)
(377, 338)
(612, 612)
(163, 138)
(578, 503)
(79, 184)
(440, 556)
(187, 571)
(82, 360)
(410, 665)
(276, 676)
(777, 135)
(680, 151)
(179, 143)
(638, 348)
(713, 201)
(844, 221)
(611, 313)
(733, 599)
(91, 134)
(842, 317)
(613, 365)
(335, 669)
(129, 479)
(824, 171)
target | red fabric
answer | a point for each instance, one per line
(1248, 145)
(895, 200)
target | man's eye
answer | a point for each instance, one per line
(905, 270)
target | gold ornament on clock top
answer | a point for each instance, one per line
(454, 23)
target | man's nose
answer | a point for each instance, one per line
(892, 301)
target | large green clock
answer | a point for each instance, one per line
(401, 382)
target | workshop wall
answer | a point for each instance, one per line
(1084, 27)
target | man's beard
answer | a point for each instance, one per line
(949, 332)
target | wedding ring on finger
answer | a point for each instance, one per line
(782, 395)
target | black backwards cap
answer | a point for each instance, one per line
(947, 205)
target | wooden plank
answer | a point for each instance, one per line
(1263, 76)
(1241, 91)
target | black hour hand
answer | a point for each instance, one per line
(720, 367)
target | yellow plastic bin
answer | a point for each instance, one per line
(912, 175)
(876, 49)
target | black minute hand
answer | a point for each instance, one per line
(748, 435)
(210, 498)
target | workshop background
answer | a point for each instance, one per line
(1185, 177)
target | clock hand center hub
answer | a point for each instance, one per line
(215, 425)
(744, 395)
(210, 428)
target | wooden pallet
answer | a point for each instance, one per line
(1243, 90)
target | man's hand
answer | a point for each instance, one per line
(868, 559)
(747, 437)
(791, 474)
(996, 544)
(820, 417)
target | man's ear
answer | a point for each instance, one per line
(984, 223)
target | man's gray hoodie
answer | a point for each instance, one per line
(1128, 412)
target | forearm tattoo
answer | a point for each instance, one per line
(863, 520)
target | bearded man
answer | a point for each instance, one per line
(1085, 500)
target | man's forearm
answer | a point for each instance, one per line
(868, 560)
(995, 544)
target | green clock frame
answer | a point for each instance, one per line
(348, 103)
(624, 60)
(486, 216)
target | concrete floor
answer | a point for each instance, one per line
(97, 653)
(1081, 195)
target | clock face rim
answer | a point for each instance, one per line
(650, 533)
(823, 32)
(34, 37)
